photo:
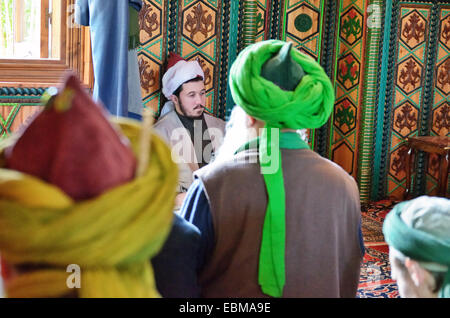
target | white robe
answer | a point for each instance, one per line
(170, 128)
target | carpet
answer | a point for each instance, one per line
(375, 276)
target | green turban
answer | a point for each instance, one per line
(309, 105)
(420, 229)
(286, 89)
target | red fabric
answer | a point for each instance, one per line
(4, 270)
(174, 58)
(76, 149)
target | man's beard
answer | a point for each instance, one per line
(186, 113)
(238, 133)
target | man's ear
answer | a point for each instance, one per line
(419, 275)
(250, 121)
(174, 99)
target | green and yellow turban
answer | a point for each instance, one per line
(111, 237)
(420, 229)
(285, 89)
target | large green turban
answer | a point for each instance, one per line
(309, 105)
(420, 229)
(286, 89)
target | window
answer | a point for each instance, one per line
(20, 28)
(39, 42)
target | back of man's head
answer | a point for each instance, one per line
(419, 230)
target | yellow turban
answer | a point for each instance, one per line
(111, 237)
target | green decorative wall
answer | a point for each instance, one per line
(389, 62)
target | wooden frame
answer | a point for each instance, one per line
(44, 28)
(75, 55)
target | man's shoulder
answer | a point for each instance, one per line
(334, 173)
(242, 165)
(312, 165)
(217, 122)
(214, 118)
(165, 120)
(185, 228)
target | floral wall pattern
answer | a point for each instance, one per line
(389, 62)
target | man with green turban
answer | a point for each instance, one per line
(418, 234)
(276, 218)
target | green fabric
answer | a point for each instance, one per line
(282, 70)
(417, 244)
(308, 105)
(272, 275)
(288, 140)
(134, 30)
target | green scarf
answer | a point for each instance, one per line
(272, 275)
(416, 243)
(309, 105)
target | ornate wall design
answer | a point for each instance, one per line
(153, 51)
(371, 90)
(262, 17)
(195, 29)
(350, 50)
(389, 61)
(17, 106)
(412, 50)
(302, 24)
(199, 38)
(416, 102)
(439, 119)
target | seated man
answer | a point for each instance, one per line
(192, 134)
(276, 218)
(418, 234)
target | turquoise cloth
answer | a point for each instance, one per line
(420, 240)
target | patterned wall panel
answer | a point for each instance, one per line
(14, 116)
(251, 20)
(17, 106)
(391, 77)
(413, 98)
(368, 105)
(440, 112)
(199, 38)
(302, 24)
(153, 50)
(197, 30)
(411, 59)
(350, 50)
(262, 18)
